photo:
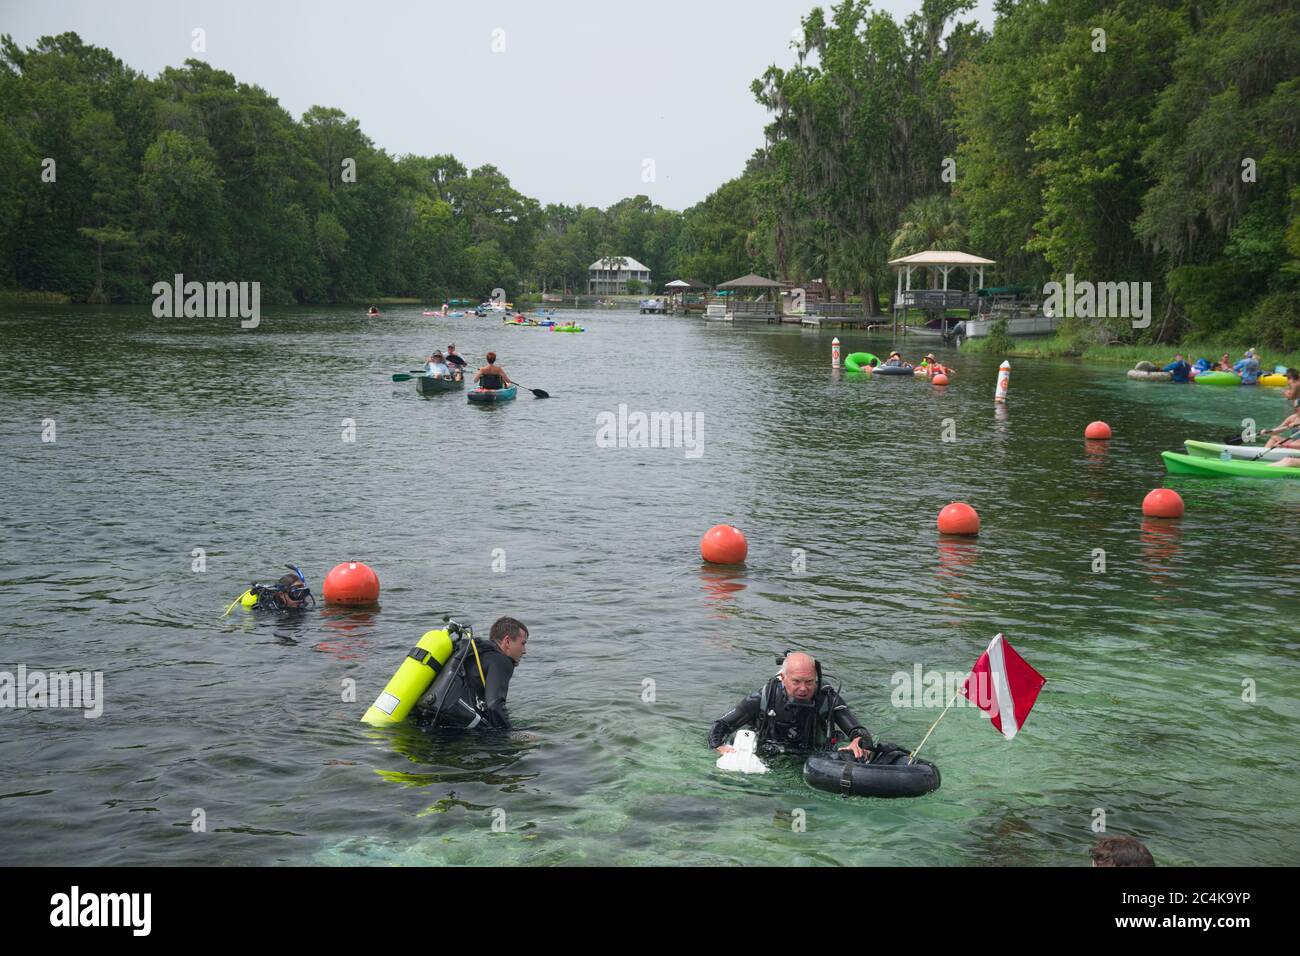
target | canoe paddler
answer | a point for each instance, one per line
(435, 367)
(452, 358)
(491, 375)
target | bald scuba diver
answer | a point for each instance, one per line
(795, 712)
(471, 690)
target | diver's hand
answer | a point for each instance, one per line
(725, 749)
(856, 749)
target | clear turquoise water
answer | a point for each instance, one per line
(175, 435)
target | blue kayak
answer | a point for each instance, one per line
(492, 394)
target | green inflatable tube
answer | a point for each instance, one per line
(1217, 378)
(856, 360)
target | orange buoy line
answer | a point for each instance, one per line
(723, 544)
(351, 584)
(1098, 431)
(959, 518)
(1163, 503)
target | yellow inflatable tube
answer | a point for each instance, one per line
(412, 679)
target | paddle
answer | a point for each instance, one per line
(415, 373)
(537, 392)
(1264, 451)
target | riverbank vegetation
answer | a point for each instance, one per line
(1152, 141)
(1088, 349)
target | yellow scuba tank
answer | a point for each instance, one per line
(248, 599)
(412, 679)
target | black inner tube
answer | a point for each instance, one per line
(838, 772)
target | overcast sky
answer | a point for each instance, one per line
(581, 99)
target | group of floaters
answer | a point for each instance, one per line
(1248, 370)
(544, 321)
(895, 365)
(1233, 458)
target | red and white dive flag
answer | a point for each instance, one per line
(1004, 686)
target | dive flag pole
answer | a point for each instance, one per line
(932, 726)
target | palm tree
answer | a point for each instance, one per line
(931, 222)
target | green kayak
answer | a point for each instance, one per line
(1209, 449)
(427, 385)
(1177, 464)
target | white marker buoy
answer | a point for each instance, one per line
(835, 353)
(1004, 382)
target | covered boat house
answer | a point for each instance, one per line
(766, 307)
(936, 302)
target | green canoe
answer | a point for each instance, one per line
(426, 385)
(1177, 464)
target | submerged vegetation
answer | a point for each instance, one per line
(1152, 141)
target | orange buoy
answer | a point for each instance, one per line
(1163, 503)
(723, 544)
(1097, 430)
(353, 584)
(959, 518)
(939, 379)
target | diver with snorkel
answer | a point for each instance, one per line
(285, 596)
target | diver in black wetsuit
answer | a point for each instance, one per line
(476, 696)
(795, 712)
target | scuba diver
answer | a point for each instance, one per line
(795, 712)
(287, 595)
(471, 688)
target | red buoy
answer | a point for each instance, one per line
(1163, 503)
(939, 379)
(723, 544)
(1097, 430)
(353, 584)
(959, 518)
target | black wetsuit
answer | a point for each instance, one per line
(470, 703)
(784, 726)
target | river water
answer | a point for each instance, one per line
(1170, 711)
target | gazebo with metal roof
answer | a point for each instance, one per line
(767, 309)
(936, 302)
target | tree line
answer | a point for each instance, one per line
(1131, 140)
